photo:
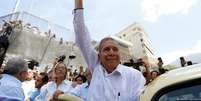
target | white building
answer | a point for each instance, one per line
(141, 44)
(133, 41)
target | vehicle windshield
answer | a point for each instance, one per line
(186, 93)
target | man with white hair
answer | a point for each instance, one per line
(15, 72)
(110, 81)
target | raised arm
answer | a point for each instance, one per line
(82, 36)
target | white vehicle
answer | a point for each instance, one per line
(182, 84)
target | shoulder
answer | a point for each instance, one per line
(130, 73)
(50, 83)
(46, 86)
(10, 81)
(133, 75)
(128, 70)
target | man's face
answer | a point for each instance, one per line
(24, 76)
(39, 82)
(109, 55)
(79, 80)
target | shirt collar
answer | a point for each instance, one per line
(117, 71)
(65, 82)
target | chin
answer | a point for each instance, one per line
(112, 65)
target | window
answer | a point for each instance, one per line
(188, 93)
(184, 91)
(134, 29)
(139, 29)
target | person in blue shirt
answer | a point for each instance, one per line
(41, 80)
(15, 72)
(82, 90)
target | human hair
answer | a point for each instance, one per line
(44, 77)
(104, 40)
(82, 77)
(15, 65)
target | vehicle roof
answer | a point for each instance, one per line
(172, 77)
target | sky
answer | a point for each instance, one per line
(174, 26)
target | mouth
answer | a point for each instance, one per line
(112, 58)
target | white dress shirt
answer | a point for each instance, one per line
(48, 90)
(123, 84)
(11, 88)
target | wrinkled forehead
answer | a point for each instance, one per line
(107, 42)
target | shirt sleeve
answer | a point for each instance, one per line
(83, 39)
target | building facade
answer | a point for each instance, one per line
(141, 44)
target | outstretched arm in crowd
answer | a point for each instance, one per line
(82, 36)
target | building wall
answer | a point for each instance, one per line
(43, 49)
(141, 43)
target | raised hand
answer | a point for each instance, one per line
(78, 4)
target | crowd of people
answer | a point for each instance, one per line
(105, 79)
(17, 75)
(8, 26)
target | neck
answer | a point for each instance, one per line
(110, 68)
(58, 81)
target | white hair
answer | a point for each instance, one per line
(16, 65)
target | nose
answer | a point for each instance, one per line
(111, 52)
